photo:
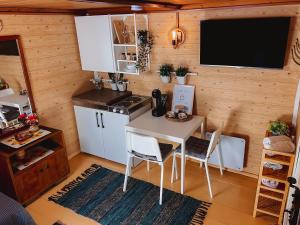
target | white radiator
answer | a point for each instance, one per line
(232, 152)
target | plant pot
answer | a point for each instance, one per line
(122, 86)
(181, 80)
(165, 79)
(114, 86)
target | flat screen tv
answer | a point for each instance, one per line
(258, 42)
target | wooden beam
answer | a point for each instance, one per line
(19, 10)
(235, 4)
(145, 3)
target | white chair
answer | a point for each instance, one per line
(200, 150)
(147, 148)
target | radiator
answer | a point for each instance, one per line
(232, 152)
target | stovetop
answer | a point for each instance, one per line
(129, 104)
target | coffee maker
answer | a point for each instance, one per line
(159, 101)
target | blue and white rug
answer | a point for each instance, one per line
(98, 194)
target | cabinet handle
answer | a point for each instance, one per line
(101, 114)
(97, 119)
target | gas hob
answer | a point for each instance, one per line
(130, 104)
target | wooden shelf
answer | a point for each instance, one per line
(128, 61)
(277, 175)
(271, 201)
(280, 189)
(269, 205)
(280, 159)
(272, 195)
(124, 45)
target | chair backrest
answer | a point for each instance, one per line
(144, 145)
(214, 141)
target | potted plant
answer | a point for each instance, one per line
(112, 81)
(277, 128)
(165, 72)
(181, 74)
(145, 42)
(122, 83)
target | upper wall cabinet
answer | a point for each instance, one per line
(94, 40)
(110, 43)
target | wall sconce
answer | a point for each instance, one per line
(177, 33)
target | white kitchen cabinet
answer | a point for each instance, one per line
(89, 130)
(102, 133)
(114, 136)
(95, 43)
(108, 43)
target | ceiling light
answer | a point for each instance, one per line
(136, 8)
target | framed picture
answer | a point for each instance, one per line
(183, 98)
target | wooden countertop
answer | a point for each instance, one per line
(99, 98)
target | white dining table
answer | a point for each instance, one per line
(162, 128)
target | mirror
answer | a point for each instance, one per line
(15, 90)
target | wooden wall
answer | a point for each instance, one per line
(11, 72)
(245, 99)
(52, 58)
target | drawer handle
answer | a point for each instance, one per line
(97, 119)
(101, 114)
(41, 170)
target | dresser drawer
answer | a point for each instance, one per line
(34, 180)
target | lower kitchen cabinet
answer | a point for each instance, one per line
(89, 130)
(101, 133)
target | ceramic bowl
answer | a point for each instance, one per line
(171, 114)
(182, 116)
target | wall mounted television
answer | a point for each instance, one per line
(253, 42)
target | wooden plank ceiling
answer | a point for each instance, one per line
(123, 6)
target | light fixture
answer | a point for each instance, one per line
(177, 34)
(136, 8)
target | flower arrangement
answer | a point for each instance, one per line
(145, 43)
(30, 120)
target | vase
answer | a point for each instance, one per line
(165, 79)
(122, 86)
(114, 86)
(181, 80)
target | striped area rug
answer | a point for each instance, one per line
(98, 194)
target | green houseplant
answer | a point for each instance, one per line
(165, 71)
(279, 128)
(181, 74)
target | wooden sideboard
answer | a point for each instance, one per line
(28, 184)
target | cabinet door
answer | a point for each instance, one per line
(89, 130)
(114, 136)
(95, 43)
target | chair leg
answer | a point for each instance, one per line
(148, 166)
(176, 171)
(208, 179)
(127, 171)
(220, 159)
(173, 168)
(161, 183)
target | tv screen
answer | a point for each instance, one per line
(259, 42)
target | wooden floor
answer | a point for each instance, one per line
(232, 203)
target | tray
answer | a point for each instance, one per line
(179, 120)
